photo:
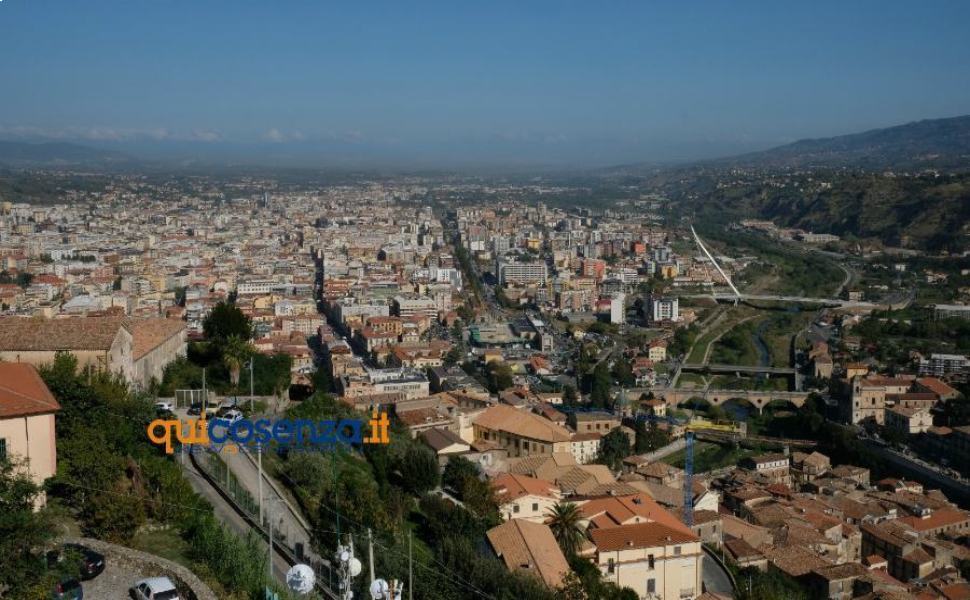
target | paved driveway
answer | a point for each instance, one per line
(112, 584)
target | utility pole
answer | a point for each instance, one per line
(205, 396)
(410, 575)
(370, 553)
(270, 562)
(259, 463)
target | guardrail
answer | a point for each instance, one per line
(287, 552)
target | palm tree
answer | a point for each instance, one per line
(564, 520)
(235, 353)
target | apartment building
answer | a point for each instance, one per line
(522, 273)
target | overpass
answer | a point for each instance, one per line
(826, 302)
(736, 296)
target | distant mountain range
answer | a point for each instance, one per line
(57, 154)
(940, 143)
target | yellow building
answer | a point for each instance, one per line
(27, 421)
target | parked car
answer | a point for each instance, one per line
(90, 564)
(231, 416)
(165, 405)
(68, 589)
(154, 588)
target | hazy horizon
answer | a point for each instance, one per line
(551, 84)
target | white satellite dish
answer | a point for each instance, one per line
(344, 556)
(379, 589)
(301, 579)
(355, 567)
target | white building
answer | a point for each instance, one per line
(617, 309)
(664, 309)
(522, 273)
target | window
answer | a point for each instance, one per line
(3, 449)
(535, 507)
(676, 550)
(610, 566)
(651, 586)
(650, 563)
(515, 508)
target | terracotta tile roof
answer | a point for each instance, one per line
(741, 549)
(918, 556)
(23, 392)
(843, 571)
(623, 510)
(521, 423)
(510, 487)
(795, 561)
(439, 438)
(149, 334)
(640, 535)
(529, 547)
(936, 386)
(938, 518)
(49, 335)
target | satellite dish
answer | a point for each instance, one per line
(344, 556)
(379, 589)
(355, 567)
(301, 579)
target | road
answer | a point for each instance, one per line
(715, 578)
(227, 514)
(927, 474)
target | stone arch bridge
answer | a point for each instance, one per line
(757, 398)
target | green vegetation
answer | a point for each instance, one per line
(736, 347)
(224, 355)
(923, 211)
(708, 456)
(110, 481)
(892, 338)
(564, 521)
(614, 447)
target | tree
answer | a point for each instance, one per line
(456, 471)
(614, 447)
(225, 321)
(649, 438)
(453, 356)
(23, 531)
(479, 498)
(569, 396)
(499, 376)
(623, 373)
(564, 520)
(600, 391)
(235, 352)
(419, 469)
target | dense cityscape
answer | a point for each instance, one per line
(609, 403)
(492, 301)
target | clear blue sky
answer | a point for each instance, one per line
(474, 82)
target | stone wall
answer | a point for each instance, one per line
(189, 586)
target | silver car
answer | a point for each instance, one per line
(154, 588)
